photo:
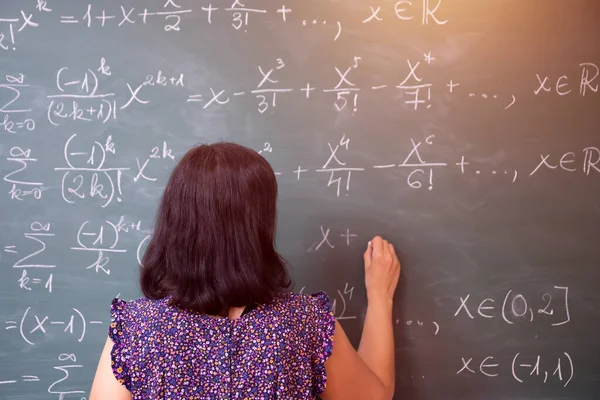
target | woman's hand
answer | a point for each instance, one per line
(382, 270)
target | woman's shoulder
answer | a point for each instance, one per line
(313, 316)
(120, 307)
(138, 302)
(287, 303)
(306, 298)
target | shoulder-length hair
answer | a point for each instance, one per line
(213, 245)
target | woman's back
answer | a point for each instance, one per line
(212, 252)
(275, 351)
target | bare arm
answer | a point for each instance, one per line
(370, 372)
(377, 341)
(348, 376)
(105, 384)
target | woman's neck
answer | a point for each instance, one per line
(233, 313)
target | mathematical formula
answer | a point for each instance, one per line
(237, 14)
(89, 172)
(523, 367)
(514, 307)
(79, 95)
(83, 107)
(62, 386)
(32, 326)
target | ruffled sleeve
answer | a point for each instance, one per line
(118, 334)
(324, 328)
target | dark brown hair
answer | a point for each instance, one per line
(213, 245)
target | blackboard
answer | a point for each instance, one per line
(464, 131)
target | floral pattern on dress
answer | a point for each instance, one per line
(275, 351)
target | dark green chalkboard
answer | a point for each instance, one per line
(465, 131)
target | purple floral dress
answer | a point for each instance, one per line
(275, 351)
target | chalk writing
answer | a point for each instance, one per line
(38, 234)
(588, 82)
(79, 96)
(11, 27)
(11, 92)
(33, 327)
(588, 158)
(335, 167)
(103, 238)
(514, 307)
(22, 188)
(344, 296)
(160, 152)
(61, 372)
(347, 236)
(86, 175)
(32, 263)
(415, 92)
(67, 365)
(98, 101)
(523, 367)
(432, 326)
(339, 303)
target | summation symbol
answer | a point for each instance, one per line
(67, 364)
(61, 387)
(11, 90)
(21, 187)
(38, 233)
